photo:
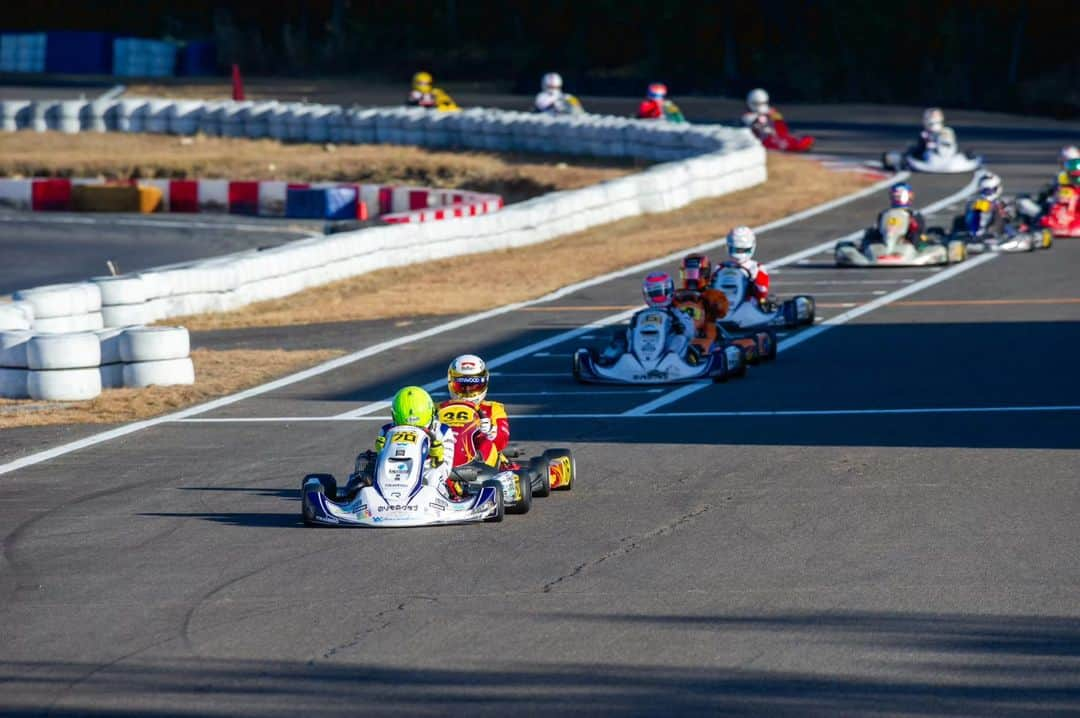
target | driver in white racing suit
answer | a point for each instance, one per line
(551, 99)
(658, 289)
(935, 137)
(741, 244)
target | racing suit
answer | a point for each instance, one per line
(772, 130)
(660, 110)
(556, 102)
(942, 143)
(1048, 195)
(436, 99)
(916, 224)
(706, 308)
(759, 278)
(491, 443)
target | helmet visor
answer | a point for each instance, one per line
(468, 387)
(657, 293)
(736, 251)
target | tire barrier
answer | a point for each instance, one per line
(475, 128)
(78, 365)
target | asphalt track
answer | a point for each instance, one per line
(898, 535)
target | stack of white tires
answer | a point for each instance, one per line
(76, 366)
(61, 308)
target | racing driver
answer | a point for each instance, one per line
(425, 94)
(741, 245)
(467, 379)
(697, 300)
(413, 406)
(658, 289)
(935, 136)
(901, 196)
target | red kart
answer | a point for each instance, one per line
(773, 132)
(1063, 217)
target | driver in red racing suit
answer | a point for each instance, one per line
(768, 125)
(467, 379)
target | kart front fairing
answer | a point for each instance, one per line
(932, 162)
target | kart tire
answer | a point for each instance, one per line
(554, 455)
(540, 478)
(327, 482)
(771, 349)
(524, 505)
(500, 511)
(956, 252)
(740, 371)
(577, 365)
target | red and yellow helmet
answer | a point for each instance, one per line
(467, 378)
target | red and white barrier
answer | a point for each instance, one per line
(266, 198)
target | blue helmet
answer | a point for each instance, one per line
(901, 194)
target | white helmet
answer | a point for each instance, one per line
(990, 186)
(741, 243)
(933, 119)
(551, 81)
(757, 100)
(467, 378)
(1072, 152)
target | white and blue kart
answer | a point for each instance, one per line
(746, 314)
(646, 358)
(932, 162)
(396, 494)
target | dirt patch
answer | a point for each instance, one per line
(123, 156)
(528, 272)
(217, 373)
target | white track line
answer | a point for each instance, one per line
(810, 333)
(333, 364)
(685, 414)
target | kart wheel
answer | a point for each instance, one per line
(327, 482)
(739, 371)
(767, 344)
(560, 463)
(500, 510)
(524, 502)
(957, 252)
(540, 478)
(577, 365)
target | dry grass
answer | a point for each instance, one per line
(217, 373)
(124, 156)
(457, 286)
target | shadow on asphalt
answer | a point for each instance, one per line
(853, 367)
(939, 665)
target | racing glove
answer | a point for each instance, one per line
(487, 429)
(436, 453)
(380, 442)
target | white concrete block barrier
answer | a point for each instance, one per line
(225, 283)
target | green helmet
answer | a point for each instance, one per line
(412, 406)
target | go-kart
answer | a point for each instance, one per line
(936, 160)
(974, 229)
(641, 356)
(745, 313)
(391, 490)
(887, 246)
(537, 476)
(775, 135)
(1063, 216)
